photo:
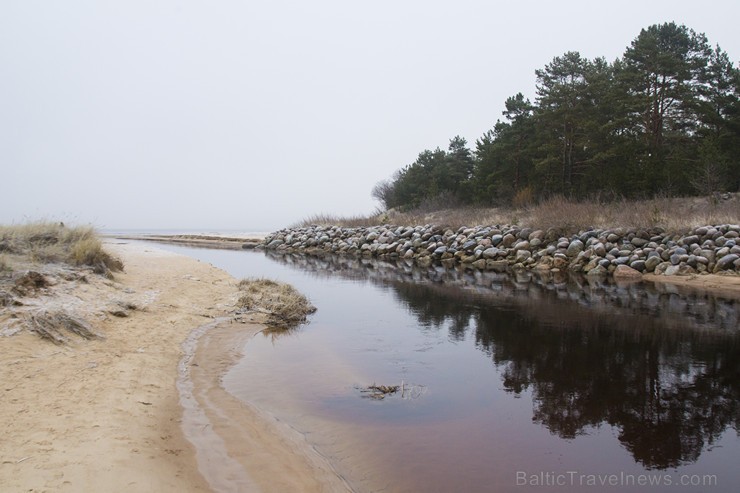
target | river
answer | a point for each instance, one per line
(506, 382)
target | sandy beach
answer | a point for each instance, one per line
(106, 415)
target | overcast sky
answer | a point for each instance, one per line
(252, 115)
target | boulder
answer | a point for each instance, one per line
(575, 247)
(597, 271)
(497, 265)
(508, 240)
(440, 250)
(727, 262)
(490, 253)
(626, 273)
(522, 255)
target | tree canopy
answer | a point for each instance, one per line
(663, 118)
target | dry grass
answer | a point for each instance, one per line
(375, 219)
(453, 217)
(671, 214)
(49, 242)
(284, 305)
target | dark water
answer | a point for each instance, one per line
(511, 383)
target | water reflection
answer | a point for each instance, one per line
(660, 366)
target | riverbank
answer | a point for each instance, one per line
(624, 253)
(105, 414)
(369, 242)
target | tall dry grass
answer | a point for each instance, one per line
(671, 214)
(374, 219)
(451, 217)
(50, 242)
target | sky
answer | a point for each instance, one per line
(253, 115)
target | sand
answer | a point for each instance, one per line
(726, 286)
(106, 415)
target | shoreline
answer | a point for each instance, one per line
(710, 254)
(245, 242)
(721, 284)
(243, 448)
(108, 414)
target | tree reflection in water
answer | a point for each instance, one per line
(661, 366)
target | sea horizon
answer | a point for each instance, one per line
(235, 232)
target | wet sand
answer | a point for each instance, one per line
(264, 454)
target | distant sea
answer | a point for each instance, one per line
(238, 233)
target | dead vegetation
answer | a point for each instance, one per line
(673, 214)
(668, 213)
(55, 326)
(47, 242)
(406, 391)
(375, 219)
(283, 305)
(379, 391)
(7, 299)
(29, 284)
(40, 260)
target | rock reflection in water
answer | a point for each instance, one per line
(662, 367)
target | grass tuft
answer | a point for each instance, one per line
(284, 305)
(49, 242)
(89, 251)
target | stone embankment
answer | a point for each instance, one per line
(620, 252)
